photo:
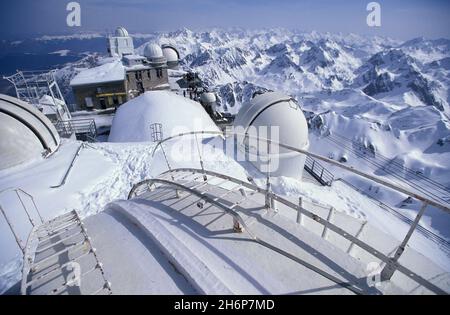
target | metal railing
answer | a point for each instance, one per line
(321, 174)
(391, 263)
(84, 129)
(441, 242)
(19, 192)
(239, 224)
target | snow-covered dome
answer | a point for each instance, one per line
(154, 54)
(284, 122)
(208, 98)
(25, 133)
(171, 53)
(176, 113)
(152, 50)
(121, 32)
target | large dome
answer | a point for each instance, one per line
(278, 117)
(25, 133)
(170, 53)
(121, 32)
(152, 51)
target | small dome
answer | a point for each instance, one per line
(208, 97)
(152, 51)
(121, 32)
(275, 110)
(170, 53)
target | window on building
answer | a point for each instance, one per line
(148, 74)
(159, 73)
(102, 103)
(88, 102)
(115, 100)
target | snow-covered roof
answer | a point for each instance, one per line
(134, 57)
(176, 114)
(108, 72)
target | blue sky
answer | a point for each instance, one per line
(401, 19)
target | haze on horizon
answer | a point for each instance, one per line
(401, 19)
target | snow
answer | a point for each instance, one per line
(107, 72)
(62, 52)
(176, 113)
(325, 72)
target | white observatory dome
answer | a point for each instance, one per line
(25, 133)
(171, 53)
(270, 111)
(121, 32)
(208, 98)
(152, 51)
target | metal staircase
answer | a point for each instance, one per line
(60, 259)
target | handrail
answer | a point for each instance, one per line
(66, 174)
(426, 232)
(30, 219)
(237, 217)
(392, 263)
(388, 260)
(316, 156)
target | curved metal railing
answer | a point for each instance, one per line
(392, 263)
(299, 209)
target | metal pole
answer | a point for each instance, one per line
(18, 241)
(201, 161)
(325, 229)
(24, 208)
(391, 265)
(268, 201)
(299, 214)
(350, 248)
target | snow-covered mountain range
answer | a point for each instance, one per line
(389, 95)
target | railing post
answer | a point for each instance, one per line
(25, 208)
(391, 265)
(299, 213)
(268, 202)
(16, 237)
(205, 178)
(325, 228)
(352, 245)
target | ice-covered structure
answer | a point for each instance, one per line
(175, 113)
(25, 133)
(278, 117)
(121, 43)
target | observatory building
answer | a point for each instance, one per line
(112, 84)
(120, 44)
(25, 133)
(146, 73)
(277, 117)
